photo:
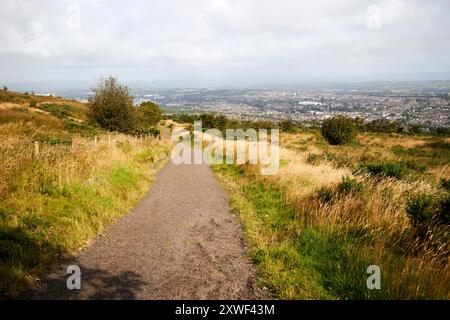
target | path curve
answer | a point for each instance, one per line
(181, 242)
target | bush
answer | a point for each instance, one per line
(443, 131)
(382, 125)
(339, 130)
(445, 183)
(326, 194)
(346, 187)
(386, 169)
(350, 186)
(415, 129)
(148, 114)
(426, 209)
(33, 103)
(421, 209)
(287, 125)
(111, 106)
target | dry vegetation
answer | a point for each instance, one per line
(319, 222)
(57, 195)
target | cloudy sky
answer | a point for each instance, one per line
(220, 42)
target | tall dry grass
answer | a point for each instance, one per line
(57, 195)
(371, 226)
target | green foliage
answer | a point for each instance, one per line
(393, 169)
(415, 129)
(59, 111)
(339, 130)
(350, 186)
(421, 209)
(445, 183)
(326, 194)
(33, 103)
(347, 186)
(153, 131)
(82, 129)
(443, 131)
(287, 125)
(221, 122)
(111, 106)
(148, 114)
(427, 210)
(382, 125)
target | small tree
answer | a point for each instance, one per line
(148, 114)
(339, 130)
(5, 88)
(383, 125)
(287, 125)
(111, 106)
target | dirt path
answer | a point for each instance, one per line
(181, 242)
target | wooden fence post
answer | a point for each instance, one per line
(36, 149)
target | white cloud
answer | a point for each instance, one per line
(236, 38)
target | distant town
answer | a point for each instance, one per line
(423, 103)
(426, 104)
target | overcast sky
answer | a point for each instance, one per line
(219, 42)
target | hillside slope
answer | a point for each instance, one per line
(62, 181)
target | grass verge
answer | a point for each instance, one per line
(301, 255)
(53, 204)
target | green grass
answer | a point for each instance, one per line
(42, 221)
(297, 260)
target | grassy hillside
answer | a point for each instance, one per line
(332, 211)
(62, 182)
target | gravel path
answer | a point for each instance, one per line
(181, 242)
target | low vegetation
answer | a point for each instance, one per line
(111, 107)
(331, 211)
(63, 180)
(339, 130)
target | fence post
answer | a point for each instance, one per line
(59, 176)
(36, 148)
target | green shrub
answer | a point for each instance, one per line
(445, 183)
(315, 158)
(349, 185)
(287, 125)
(33, 103)
(396, 170)
(426, 209)
(442, 131)
(148, 114)
(111, 106)
(421, 209)
(326, 194)
(415, 165)
(346, 187)
(339, 130)
(444, 214)
(382, 125)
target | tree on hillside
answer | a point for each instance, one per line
(5, 88)
(382, 125)
(339, 130)
(148, 114)
(111, 106)
(287, 125)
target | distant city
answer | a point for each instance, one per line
(423, 103)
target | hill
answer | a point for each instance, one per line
(331, 212)
(62, 181)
